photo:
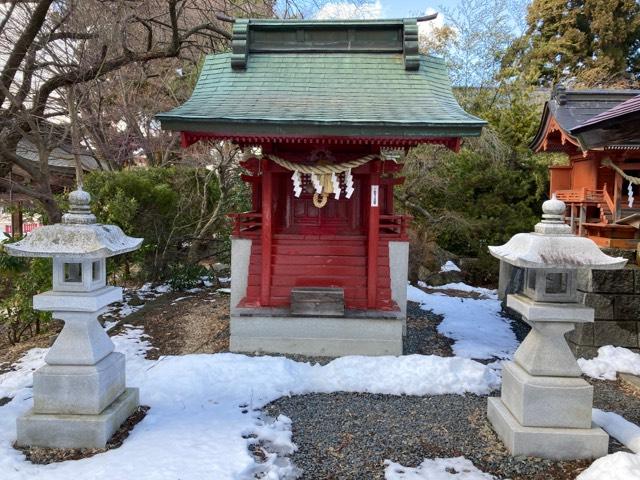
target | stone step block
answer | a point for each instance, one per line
(76, 431)
(602, 304)
(546, 401)
(607, 281)
(626, 307)
(620, 334)
(72, 389)
(551, 443)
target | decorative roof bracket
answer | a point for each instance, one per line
(410, 41)
(239, 44)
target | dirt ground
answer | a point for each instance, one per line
(181, 323)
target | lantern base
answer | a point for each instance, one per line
(76, 431)
(542, 442)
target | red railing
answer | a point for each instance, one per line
(245, 223)
(26, 228)
(608, 201)
(580, 195)
(395, 225)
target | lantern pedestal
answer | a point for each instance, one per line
(545, 405)
(76, 431)
(545, 442)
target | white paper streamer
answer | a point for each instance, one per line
(316, 183)
(297, 183)
(630, 192)
(336, 185)
(348, 180)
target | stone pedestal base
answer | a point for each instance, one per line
(280, 332)
(79, 389)
(76, 431)
(552, 443)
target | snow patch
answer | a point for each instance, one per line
(476, 325)
(617, 466)
(609, 361)
(202, 404)
(458, 468)
(449, 266)
(619, 428)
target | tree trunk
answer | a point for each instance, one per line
(52, 210)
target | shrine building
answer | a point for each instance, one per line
(599, 182)
(323, 111)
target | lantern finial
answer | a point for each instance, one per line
(553, 218)
(79, 209)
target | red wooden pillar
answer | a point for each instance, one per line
(374, 234)
(267, 206)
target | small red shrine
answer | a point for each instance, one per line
(323, 110)
(597, 183)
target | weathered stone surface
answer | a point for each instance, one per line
(552, 443)
(626, 307)
(583, 351)
(317, 336)
(76, 431)
(549, 312)
(637, 280)
(581, 335)
(607, 281)
(399, 267)
(561, 402)
(95, 301)
(79, 390)
(546, 352)
(240, 256)
(317, 301)
(82, 341)
(602, 304)
(620, 334)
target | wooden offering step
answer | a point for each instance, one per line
(317, 301)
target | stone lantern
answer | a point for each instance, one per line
(79, 396)
(545, 406)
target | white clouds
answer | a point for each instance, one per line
(426, 29)
(349, 10)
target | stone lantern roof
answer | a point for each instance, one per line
(78, 237)
(552, 245)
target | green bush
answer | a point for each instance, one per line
(164, 206)
(185, 276)
(20, 280)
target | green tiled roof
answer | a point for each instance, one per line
(336, 94)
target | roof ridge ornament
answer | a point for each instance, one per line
(239, 44)
(560, 93)
(410, 44)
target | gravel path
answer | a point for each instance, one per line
(344, 436)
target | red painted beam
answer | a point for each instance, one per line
(373, 236)
(267, 191)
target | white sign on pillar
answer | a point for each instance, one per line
(374, 195)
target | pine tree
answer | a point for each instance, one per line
(594, 41)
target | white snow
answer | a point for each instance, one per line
(449, 266)
(202, 405)
(619, 428)
(617, 466)
(609, 361)
(458, 468)
(475, 325)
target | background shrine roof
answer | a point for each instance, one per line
(616, 126)
(319, 78)
(570, 108)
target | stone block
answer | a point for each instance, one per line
(626, 307)
(93, 301)
(602, 304)
(551, 443)
(581, 335)
(606, 281)
(317, 336)
(240, 256)
(549, 312)
(546, 401)
(584, 351)
(76, 431)
(73, 389)
(637, 280)
(620, 334)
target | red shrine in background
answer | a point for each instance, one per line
(323, 112)
(595, 183)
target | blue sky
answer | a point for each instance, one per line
(403, 8)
